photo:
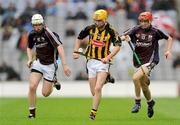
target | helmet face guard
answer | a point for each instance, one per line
(145, 19)
(37, 22)
(99, 18)
(99, 23)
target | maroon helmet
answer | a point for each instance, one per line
(145, 16)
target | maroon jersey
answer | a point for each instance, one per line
(46, 46)
(146, 44)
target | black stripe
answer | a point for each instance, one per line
(109, 42)
(96, 52)
(34, 70)
(91, 50)
(103, 49)
(93, 31)
(86, 52)
(102, 52)
(48, 80)
(86, 67)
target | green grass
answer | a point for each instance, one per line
(75, 111)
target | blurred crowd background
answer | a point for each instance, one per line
(68, 17)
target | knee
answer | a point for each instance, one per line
(98, 89)
(32, 87)
(135, 78)
(93, 93)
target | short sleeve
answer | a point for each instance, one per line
(30, 41)
(161, 35)
(116, 39)
(84, 33)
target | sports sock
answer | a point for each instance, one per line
(32, 110)
(138, 101)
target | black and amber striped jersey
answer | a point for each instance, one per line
(99, 41)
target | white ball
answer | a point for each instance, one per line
(80, 50)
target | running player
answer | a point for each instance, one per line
(145, 38)
(48, 46)
(101, 35)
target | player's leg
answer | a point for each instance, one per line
(137, 85)
(57, 85)
(144, 80)
(47, 87)
(109, 79)
(147, 95)
(92, 84)
(48, 82)
(146, 91)
(35, 78)
(97, 73)
(150, 110)
(101, 77)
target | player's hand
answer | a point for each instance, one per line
(76, 55)
(125, 38)
(105, 60)
(29, 63)
(168, 54)
(67, 70)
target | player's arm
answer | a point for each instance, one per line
(114, 51)
(128, 34)
(77, 45)
(56, 42)
(61, 53)
(169, 44)
(125, 38)
(116, 43)
(162, 35)
(30, 50)
(84, 33)
(30, 57)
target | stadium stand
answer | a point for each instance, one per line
(15, 19)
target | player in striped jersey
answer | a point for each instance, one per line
(101, 35)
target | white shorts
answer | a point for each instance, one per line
(94, 66)
(147, 65)
(48, 71)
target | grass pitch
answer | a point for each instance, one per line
(75, 111)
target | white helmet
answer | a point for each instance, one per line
(37, 19)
